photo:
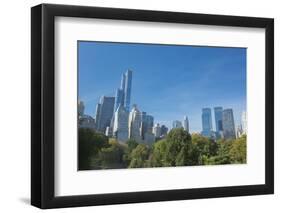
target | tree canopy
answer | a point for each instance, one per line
(178, 148)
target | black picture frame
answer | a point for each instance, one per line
(43, 117)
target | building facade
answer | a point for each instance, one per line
(120, 127)
(86, 121)
(104, 112)
(164, 130)
(218, 122)
(98, 113)
(149, 138)
(228, 124)
(157, 131)
(177, 124)
(135, 124)
(218, 118)
(207, 127)
(119, 99)
(81, 108)
(244, 122)
(143, 124)
(149, 122)
(239, 131)
(109, 131)
(123, 94)
(185, 124)
(127, 89)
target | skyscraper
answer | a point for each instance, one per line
(244, 122)
(147, 128)
(123, 82)
(239, 131)
(146, 124)
(143, 124)
(157, 131)
(149, 138)
(119, 99)
(127, 89)
(150, 122)
(98, 111)
(108, 131)
(228, 125)
(123, 94)
(120, 127)
(104, 112)
(177, 124)
(185, 124)
(81, 108)
(164, 130)
(206, 122)
(84, 121)
(135, 124)
(218, 118)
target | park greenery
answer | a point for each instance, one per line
(178, 148)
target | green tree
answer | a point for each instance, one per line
(183, 157)
(139, 156)
(112, 157)
(132, 144)
(178, 143)
(90, 142)
(202, 148)
(159, 150)
(173, 150)
(206, 146)
(223, 156)
(238, 151)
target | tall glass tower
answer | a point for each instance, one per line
(119, 99)
(185, 124)
(207, 122)
(218, 118)
(123, 94)
(244, 122)
(120, 127)
(177, 124)
(128, 87)
(228, 124)
(123, 80)
(104, 112)
(135, 124)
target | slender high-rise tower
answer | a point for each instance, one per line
(185, 124)
(207, 122)
(104, 112)
(120, 127)
(135, 124)
(218, 118)
(98, 114)
(244, 122)
(228, 125)
(123, 94)
(123, 80)
(119, 99)
(127, 91)
(81, 108)
(177, 124)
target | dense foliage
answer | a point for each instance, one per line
(178, 148)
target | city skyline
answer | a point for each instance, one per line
(175, 96)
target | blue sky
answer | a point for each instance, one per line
(169, 81)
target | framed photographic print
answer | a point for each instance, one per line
(139, 106)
